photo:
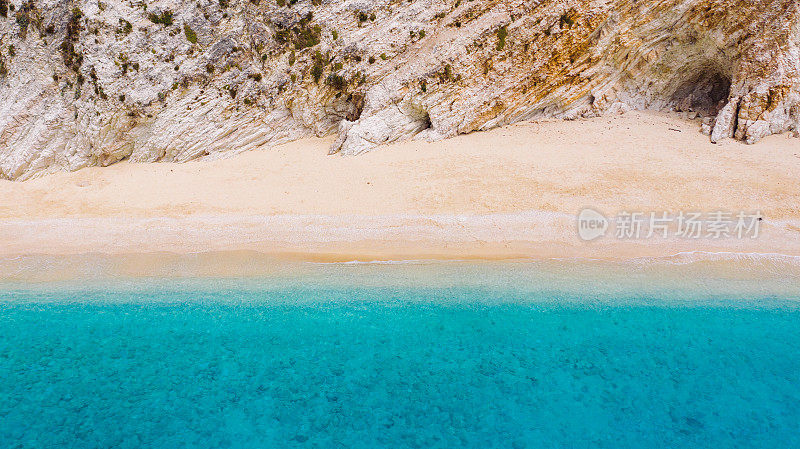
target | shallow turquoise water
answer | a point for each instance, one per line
(396, 367)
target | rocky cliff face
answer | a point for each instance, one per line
(95, 82)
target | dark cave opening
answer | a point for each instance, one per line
(426, 122)
(356, 103)
(705, 93)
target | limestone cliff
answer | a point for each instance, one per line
(92, 83)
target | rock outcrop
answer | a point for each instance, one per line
(92, 83)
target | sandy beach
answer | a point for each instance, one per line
(512, 192)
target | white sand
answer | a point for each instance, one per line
(510, 192)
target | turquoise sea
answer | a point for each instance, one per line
(404, 356)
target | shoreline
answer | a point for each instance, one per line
(524, 235)
(722, 277)
(219, 248)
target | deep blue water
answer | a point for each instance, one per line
(372, 367)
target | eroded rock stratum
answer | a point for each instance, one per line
(92, 83)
